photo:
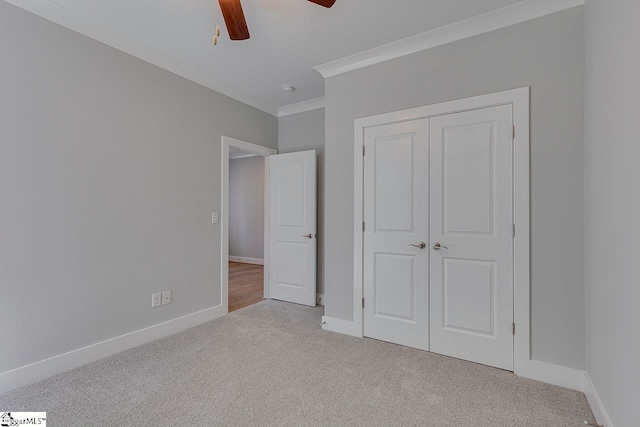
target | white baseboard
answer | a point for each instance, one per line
(561, 376)
(55, 365)
(246, 260)
(598, 409)
(540, 371)
(553, 374)
(536, 370)
(549, 373)
(341, 326)
(320, 299)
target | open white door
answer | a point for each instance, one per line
(292, 254)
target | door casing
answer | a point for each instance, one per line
(519, 99)
(258, 150)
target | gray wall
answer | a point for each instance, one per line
(109, 172)
(546, 54)
(246, 207)
(300, 132)
(613, 206)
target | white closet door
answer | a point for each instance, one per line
(396, 217)
(292, 250)
(471, 230)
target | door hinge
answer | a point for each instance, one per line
(363, 150)
(362, 302)
(514, 329)
(363, 227)
(514, 230)
(514, 131)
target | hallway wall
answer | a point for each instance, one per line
(246, 207)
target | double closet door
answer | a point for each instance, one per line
(438, 235)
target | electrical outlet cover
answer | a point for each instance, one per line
(166, 297)
(156, 300)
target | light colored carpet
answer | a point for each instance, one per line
(271, 365)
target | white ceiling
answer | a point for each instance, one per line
(288, 37)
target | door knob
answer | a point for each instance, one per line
(308, 236)
(420, 245)
(437, 246)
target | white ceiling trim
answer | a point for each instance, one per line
(67, 18)
(490, 21)
(301, 107)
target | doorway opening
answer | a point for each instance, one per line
(245, 223)
(246, 229)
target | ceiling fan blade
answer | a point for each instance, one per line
(234, 18)
(325, 3)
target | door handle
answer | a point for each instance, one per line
(437, 246)
(420, 245)
(308, 236)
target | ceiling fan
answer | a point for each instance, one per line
(236, 23)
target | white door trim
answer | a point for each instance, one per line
(224, 222)
(519, 98)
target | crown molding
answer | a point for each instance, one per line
(54, 12)
(301, 107)
(487, 22)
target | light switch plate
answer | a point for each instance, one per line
(156, 300)
(166, 297)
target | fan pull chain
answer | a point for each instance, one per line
(217, 24)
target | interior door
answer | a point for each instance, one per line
(396, 215)
(292, 249)
(471, 228)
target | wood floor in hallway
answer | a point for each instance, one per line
(246, 285)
